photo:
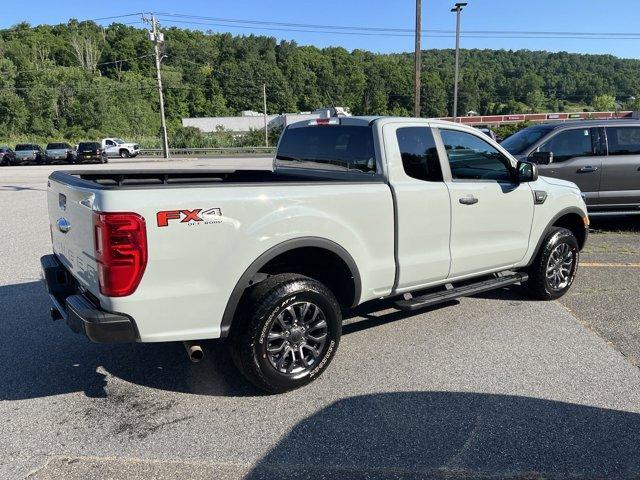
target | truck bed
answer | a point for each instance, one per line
(118, 179)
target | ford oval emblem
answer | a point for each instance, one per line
(63, 225)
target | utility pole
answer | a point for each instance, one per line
(457, 8)
(157, 38)
(417, 59)
(264, 98)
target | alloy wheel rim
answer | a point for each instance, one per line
(560, 267)
(297, 338)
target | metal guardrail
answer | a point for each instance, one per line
(208, 152)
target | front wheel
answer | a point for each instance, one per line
(124, 153)
(286, 333)
(554, 268)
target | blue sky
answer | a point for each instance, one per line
(583, 16)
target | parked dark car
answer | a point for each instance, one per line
(29, 153)
(60, 153)
(601, 156)
(7, 156)
(90, 152)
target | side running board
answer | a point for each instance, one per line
(462, 291)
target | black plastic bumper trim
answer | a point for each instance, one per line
(98, 325)
(80, 313)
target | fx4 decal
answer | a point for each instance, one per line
(191, 217)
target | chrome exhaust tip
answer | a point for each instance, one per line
(194, 351)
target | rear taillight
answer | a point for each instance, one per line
(121, 252)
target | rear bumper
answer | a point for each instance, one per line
(62, 161)
(80, 312)
(90, 159)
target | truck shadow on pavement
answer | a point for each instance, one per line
(629, 223)
(456, 435)
(41, 358)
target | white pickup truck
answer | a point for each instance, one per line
(116, 147)
(356, 209)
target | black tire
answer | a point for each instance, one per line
(124, 153)
(104, 160)
(265, 304)
(539, 285)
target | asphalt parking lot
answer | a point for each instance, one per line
(492, 386)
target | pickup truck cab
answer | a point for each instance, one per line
(356, 209)
(116, 147)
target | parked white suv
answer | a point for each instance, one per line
(356, 209)
(116, 147)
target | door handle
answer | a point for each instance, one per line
(587, 169)
(468, 200)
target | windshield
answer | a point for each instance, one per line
(522, 140)
(118, 141)
(329, 147)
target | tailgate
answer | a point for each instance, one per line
(72, 232)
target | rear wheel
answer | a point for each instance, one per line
(554, 268)
(286, 333)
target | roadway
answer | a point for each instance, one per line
(492, 386)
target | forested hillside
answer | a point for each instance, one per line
(80, 80)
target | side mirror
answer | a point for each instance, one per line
(527, 172)
(542, 158)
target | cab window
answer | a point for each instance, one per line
(569, 144)
(419, 154)
(472, 158)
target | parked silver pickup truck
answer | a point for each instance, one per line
(356, 209)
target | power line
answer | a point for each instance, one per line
(354, 30)
(381, 34)
(113, 16)
(368, 29)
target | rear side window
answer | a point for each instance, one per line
(623, 140)
(419, 154)
(332, 147)
(569, 144)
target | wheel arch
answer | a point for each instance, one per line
(280, 251)
(570, 218)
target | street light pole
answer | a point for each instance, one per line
(417, 60)
(457, 8)
(264, 99)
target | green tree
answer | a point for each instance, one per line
(536, 101)
(13, 113)
(433, 96)
(604, 103)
